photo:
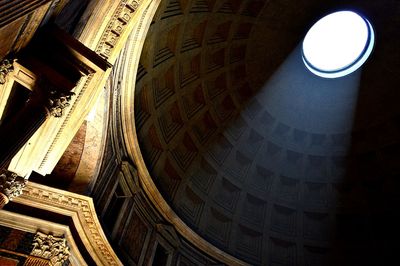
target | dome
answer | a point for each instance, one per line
(249, 149)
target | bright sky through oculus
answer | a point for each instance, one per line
(338, 44)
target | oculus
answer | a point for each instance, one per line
(338, 44)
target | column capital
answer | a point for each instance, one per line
(50, 247)
(57, 101)
(11, 185)
(51, 97)
(6, 66)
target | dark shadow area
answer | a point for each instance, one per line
(71, 18)
(367, 222)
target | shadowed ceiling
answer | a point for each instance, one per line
(261, 158)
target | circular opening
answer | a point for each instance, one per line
(338, 44)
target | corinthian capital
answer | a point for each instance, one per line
(50, 247)
(11, 185)
(6, 66)
(58, 101)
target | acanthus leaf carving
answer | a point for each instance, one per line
(6, 67)
(50, 247)
(11, 184)
(83, 208)
(58, 101)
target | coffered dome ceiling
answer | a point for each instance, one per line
(261, 158)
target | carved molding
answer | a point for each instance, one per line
(6, 67)
(50, 247)
(11, 185)
(81, 209)
(32, 225)
(116, 27)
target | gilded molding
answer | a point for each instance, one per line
(81, 209)
(11, 185)
(50, 247)
(6, 67)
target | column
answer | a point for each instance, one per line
(45, 102)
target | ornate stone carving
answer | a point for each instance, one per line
(11, 184)
(50, 247)
(79, 205)
(6, 67)
(116, 27)
(58, 101)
